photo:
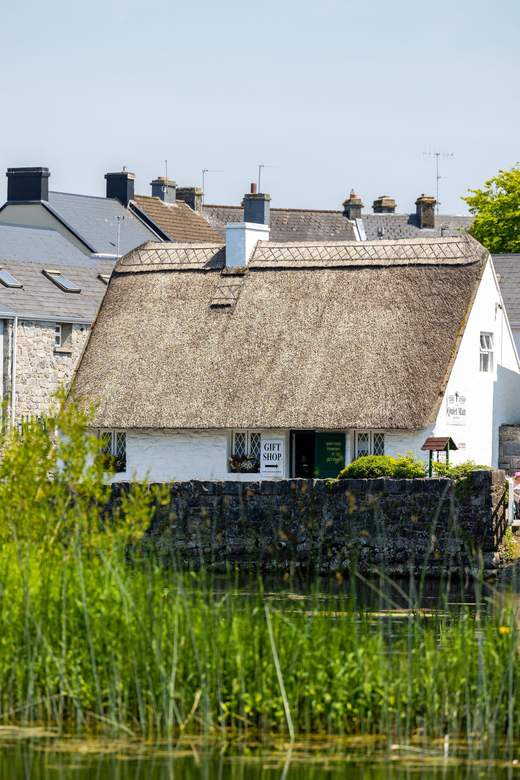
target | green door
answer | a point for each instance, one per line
(329, 455)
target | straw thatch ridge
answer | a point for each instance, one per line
(365, 341)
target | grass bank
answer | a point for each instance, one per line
(97, 638)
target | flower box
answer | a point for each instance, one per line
(244, 464)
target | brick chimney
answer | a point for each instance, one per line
(257, 207)
(121, 186)
(352, 206)
(425, 206)
(192, 196)
(384, 205)
(164, 189)
(27, 184)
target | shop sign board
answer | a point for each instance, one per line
(272, 457)
(456, 407)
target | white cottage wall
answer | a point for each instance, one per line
(492, 397)
(164, 456)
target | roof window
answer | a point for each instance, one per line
(105, 278)
(8, 280)
(61, 282)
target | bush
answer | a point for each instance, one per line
(458, 472)
(371, 466)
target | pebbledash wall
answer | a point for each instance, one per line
(487, 399)
(430, 525)
(41, 367)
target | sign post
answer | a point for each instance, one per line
(272, 458)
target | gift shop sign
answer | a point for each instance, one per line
(272, 458)
(456, 408)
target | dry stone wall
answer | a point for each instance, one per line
(509, 449)
(395, 525)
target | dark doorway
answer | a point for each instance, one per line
(303, 444)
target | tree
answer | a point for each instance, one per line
(497, 209)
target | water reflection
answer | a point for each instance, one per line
(37, 761)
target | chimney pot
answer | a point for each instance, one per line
(25, 184)
(120, 186)
(384, 205)
(254, 188)
(165, 189)
(192, 196)
(425, 207)
(352, 206)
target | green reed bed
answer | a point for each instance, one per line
(96, 637)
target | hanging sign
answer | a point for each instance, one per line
(272, 458)
(456, 408)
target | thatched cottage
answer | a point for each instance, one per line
(208, 360)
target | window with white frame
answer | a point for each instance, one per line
(113, 450)
(63, 337)
(245, 451)
(486, 352)
(369, 443)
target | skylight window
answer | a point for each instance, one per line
(105, 278)
(8, 280)
(61, 281)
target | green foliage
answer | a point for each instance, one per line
(510, 546)
(406, 466)
(459, 471)
(497, 212)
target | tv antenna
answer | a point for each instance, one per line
(120, 220)
(437, 155)
(204, 172)
(260, 173)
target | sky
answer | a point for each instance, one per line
(328, 96)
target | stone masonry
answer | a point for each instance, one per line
(332, 526)
(41, 367)
(509, 449)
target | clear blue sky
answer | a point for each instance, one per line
(333, 94)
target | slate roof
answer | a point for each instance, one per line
(331, 335)
(508, 267)
(94, 222)
(398, 226)
(179, 222)
(288, 224)
(25, 252)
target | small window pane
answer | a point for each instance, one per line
(255, 444)
(240, 443)
(61, 281)
(486, 352)
(363, 444)
(57, 336)
(106, 442)
(8, 280)
(120, 445)
(379, 443)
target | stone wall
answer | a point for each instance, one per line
(509, 449)
(396, 525)
(40, 367)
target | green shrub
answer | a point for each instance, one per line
(408, 466)
(369, 467)
(459, 471)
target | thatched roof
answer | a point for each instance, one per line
(310, 336)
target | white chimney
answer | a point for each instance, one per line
(241, 239)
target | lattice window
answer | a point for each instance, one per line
(362, 443)
(106, 442)
(113, 443)
(378, 447)
(255, 444)
(240, 443)
(486, 352)
(120, 449)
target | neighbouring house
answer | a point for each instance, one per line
(103, 227)
(50, 292)
(212, 361)
(351, 224)
(508, 272)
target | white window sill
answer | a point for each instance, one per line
(63, 350)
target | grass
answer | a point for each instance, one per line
(97, 638)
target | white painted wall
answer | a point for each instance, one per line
(2, 359)
(164, 456)
(515, 329)
(241, 239)
(492, 398)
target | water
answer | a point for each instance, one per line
(67, 760)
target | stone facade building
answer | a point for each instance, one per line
(50, 292)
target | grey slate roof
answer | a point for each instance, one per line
(314, 225)
(94, 221)
(25, 252)
(288, 224)
(508, 267)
